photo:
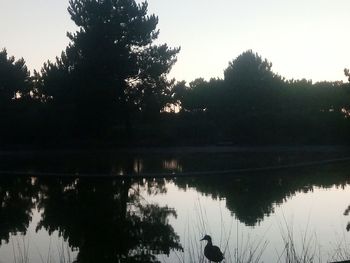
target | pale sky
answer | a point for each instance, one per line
(302, 38)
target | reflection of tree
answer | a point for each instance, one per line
(346, 213)
(252, 197)
(107, 220)
(17, 197)
(249, 198)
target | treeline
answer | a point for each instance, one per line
(110, 87)
(253, 105)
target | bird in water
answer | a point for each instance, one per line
(211, 252)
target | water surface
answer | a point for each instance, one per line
(124, 219)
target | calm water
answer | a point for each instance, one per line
(92, 219)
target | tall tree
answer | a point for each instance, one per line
(111, 65)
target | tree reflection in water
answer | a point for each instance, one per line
(346, 213)
(17, 198)
(106, 220)
(251, 197)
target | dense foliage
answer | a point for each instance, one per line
(110, 87)
(253, 105)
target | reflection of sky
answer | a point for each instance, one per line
(302, 38)
(38, 246)
(318, 213)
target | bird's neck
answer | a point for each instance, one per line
(209, 243)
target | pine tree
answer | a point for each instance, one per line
(112, 66)
(15, 78)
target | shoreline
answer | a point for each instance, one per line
(186, 149)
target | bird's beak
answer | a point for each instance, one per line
(202, 239)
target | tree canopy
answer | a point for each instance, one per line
(15, 78)
(249, 71)
(112, 66)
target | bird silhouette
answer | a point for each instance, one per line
(211, 252)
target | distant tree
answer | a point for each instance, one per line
(250, 87)
(15, 78)
(179, 90)
(200, 95)
(347, 73)
(111, 66)
(249, 70)
(197, 98)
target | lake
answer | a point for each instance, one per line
(155, 206)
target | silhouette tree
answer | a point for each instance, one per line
(111, 67)
(15, 81)
(249, 71)
(347, 73)
(19, 112)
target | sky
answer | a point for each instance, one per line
(302, 38)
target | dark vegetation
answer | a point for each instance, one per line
(110, 87)
(107, 220)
